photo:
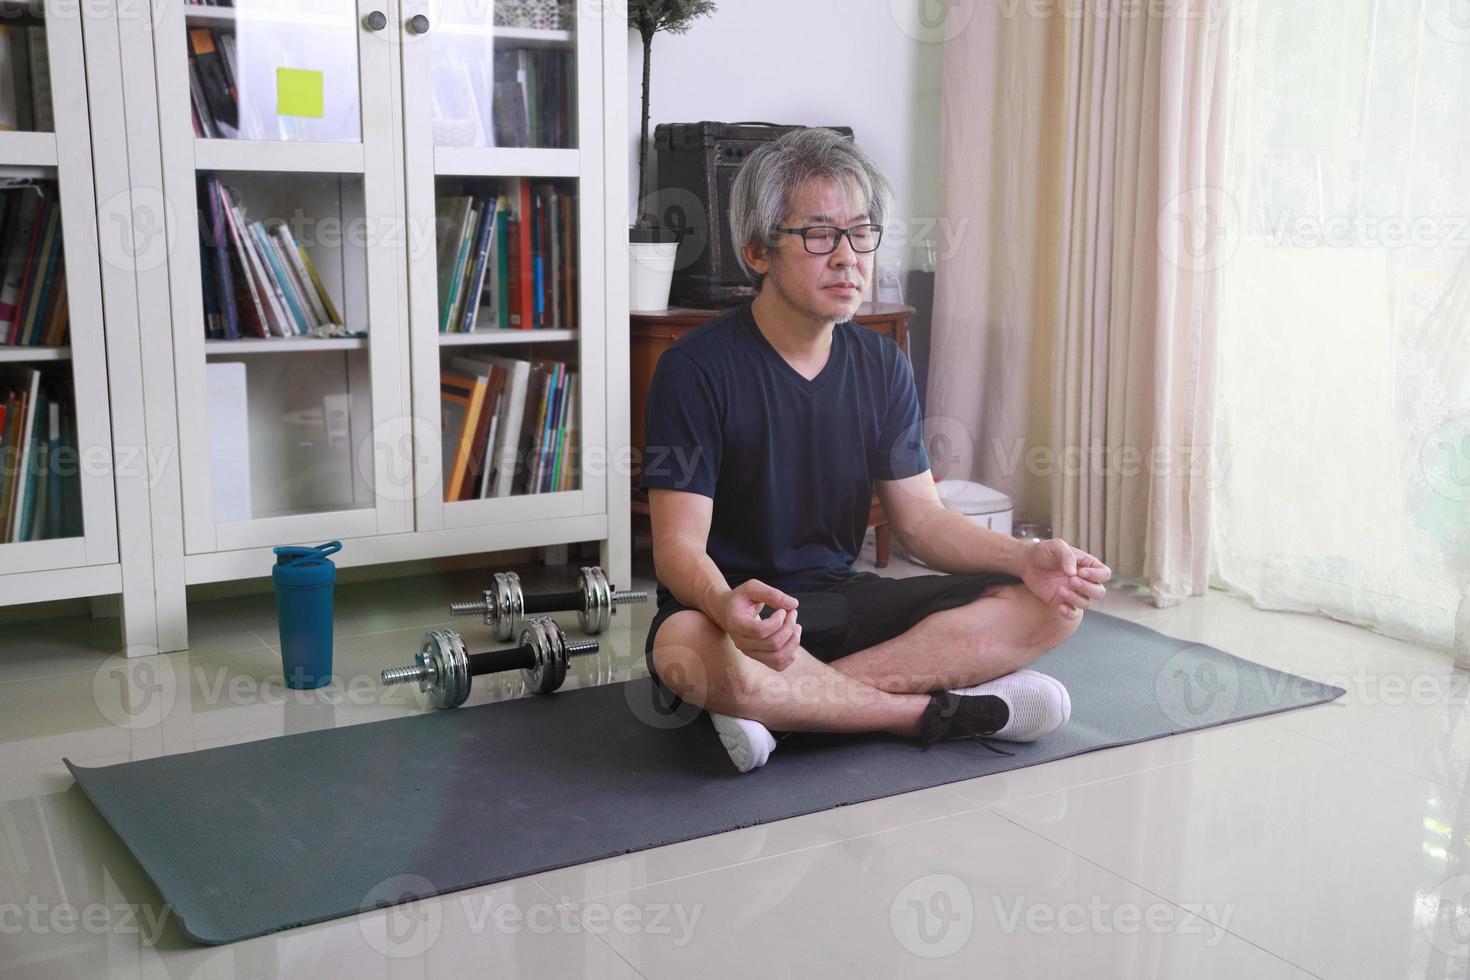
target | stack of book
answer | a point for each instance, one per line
(533, 97)
(213, 92)
(498, 270)
(40, 494)
(258, 281)
(515, 97)
(25, 77)
(33, 309)
(509, 426)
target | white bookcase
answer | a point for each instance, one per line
(94, 374)
(343, 131)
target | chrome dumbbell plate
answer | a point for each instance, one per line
(443, 653)
(505, 605)
(551, 657)
(597, 605)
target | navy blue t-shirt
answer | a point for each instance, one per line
(789, 462)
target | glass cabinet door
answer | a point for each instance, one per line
(279, 171)
(56, 459)
(274, 70)
(503, 176)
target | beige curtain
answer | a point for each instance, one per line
(1073, 342)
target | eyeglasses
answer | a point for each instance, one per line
(824, 239)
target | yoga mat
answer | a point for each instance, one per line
(253, 838)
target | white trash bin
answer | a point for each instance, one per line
(987, 507)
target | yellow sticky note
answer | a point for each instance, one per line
(298, 92)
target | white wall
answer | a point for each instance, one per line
(811, 63)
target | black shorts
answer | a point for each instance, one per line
(879, 609)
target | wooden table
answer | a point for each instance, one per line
(653, 332)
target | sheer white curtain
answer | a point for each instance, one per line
(1343, 416)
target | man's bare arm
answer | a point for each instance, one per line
(681, 523)
(941, 538)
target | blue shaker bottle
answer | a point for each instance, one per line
(304, 578)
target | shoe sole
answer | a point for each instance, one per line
(736, 743)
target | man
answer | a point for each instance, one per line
(767, 429)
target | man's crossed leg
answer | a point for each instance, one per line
(906, 684)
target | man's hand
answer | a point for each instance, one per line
(1062, 576)
(773, 640)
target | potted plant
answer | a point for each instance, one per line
(652, 246)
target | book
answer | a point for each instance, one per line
(460, 248)
(569, 456)
(25, 112)
(273, 303)
(34, 233)
(280, 241)
(54, 332)
(467, 394)
(39, 73)
(212, 328)
(531, 424)
(450, 214)
(495, 401)
(502, 266)
(316, 281)
(218, 244)
(476, 280)
(9, 113)
(52, 525)
(513, 275)
(17, 244)
(71, 488)
(553, 220)
(252, 287)
(527, 283)
(538, 254)
(209, 69)
(22, 457)
(303, 282)
(481, 458)
(570, 262)
(543, 437)
(39, 490)
(281, 280)
(9, 456)
(504, 450)
(45, 292)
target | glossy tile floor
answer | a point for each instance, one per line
(1330, 841)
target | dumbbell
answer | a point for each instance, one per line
(504, 605)
(443, 669)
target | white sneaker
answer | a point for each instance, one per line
(1038, 703)
(748, 742)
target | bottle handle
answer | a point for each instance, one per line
(294, 554)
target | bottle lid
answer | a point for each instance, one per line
(299, 556)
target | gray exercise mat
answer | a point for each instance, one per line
(253, 838)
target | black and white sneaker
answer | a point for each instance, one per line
(1021, 706)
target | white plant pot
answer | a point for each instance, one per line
(651, 272)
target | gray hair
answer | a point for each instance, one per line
(761, 193)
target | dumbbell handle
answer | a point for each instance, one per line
(522, 657)
(552, 602)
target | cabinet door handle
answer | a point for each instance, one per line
(376, 21)
(419, 24)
